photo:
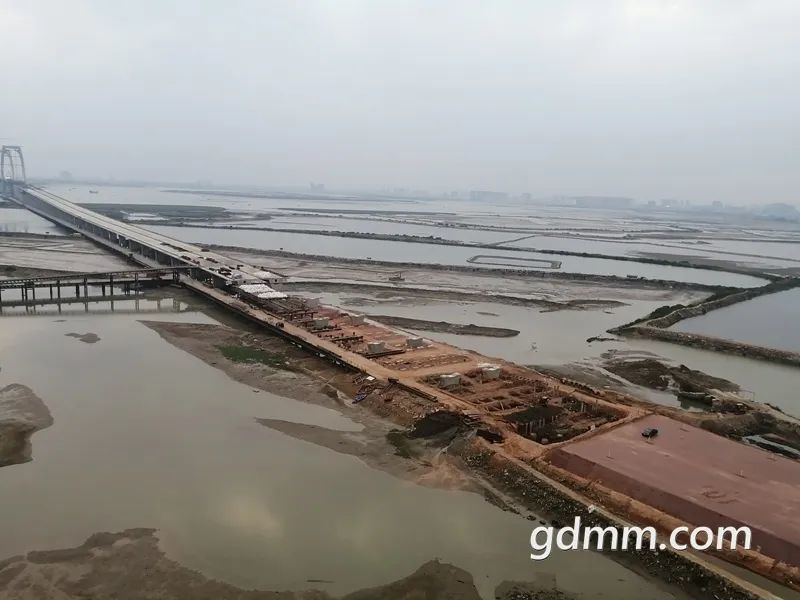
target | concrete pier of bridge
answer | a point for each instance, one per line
(124, 281)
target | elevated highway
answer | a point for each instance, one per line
(140, 245)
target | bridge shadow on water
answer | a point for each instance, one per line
(121, 304)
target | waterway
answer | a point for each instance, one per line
(146, 435)
(772, 321)
(428, 216)
(546, 337)
(19, 220)
(449, 255)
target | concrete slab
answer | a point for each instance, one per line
(697, 476)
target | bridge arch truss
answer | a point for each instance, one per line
(12, 164)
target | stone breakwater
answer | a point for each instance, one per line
(707, 342)
(657, 327)
(707, 306)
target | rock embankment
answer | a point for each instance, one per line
(706, 342)
(656, 325)
(715, 303)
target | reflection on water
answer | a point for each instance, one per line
(19, 220)
(136, 303)
(147, 435)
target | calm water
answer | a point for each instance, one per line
(601, 222)
(450, 255)
(140, 304)
(772, 320)
(756, 255)
(147, 436)
(549, 337)
(19, 220)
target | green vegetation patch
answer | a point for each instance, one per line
(401, 443)
(246, 354)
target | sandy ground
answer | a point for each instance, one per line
(57, 254)
(22, 413)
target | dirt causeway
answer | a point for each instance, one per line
(444, 326)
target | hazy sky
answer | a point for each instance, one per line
(688, 99)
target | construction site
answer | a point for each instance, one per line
(584, 436)
(733, 485)
(508, 398)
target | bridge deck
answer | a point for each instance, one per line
(99, 277)
(146, 247)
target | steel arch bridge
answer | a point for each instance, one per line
(12, 166)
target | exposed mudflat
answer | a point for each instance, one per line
(268, 363)
(444, 326)
(109, 565)
(55, 253)
(378, 447)
(174, 213)
(419, 295)
(332, 270)
(260, 361)
(655, 374)
(86, 338)
(22, 413)
(14, 272)
(130, 565)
